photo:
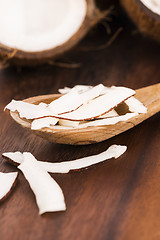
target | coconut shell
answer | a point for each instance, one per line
(19, 57)
(147, 21)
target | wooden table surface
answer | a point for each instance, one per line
(115, 200)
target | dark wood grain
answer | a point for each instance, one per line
(115, 200)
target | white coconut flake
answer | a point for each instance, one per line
(109, 114)
(67, 123)
(15, 157)
(91, 93)
(28, 110)
(83, 88)
(73, 100)
(42, 104)
(135, 105)
(78, 88)
(66, 103)
(113, 151)
(6, 182)
(108, 121)
(43, 122)
(100, 105)
(49, 196)
(64, 90)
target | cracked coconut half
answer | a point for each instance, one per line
(34, 32)
(146, 15)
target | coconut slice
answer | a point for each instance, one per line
(100, 105)
(66, 103)
(108, 121)
(109, 114)
(15, 157)
(82, 88)
(43, 122)
(113, 151)
(135, 105)
(108, 117)
(73, 100)
(7, 181)
(79, 88)
(67, 123)
(49, 196)
(28, 110)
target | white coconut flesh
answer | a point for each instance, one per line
(28, 110)
(49, 196)
(7, 181)
(153, 5)
(82, 89)
(68, 123)
(15, 157)
(72, 100)
(81, 106)
(135, 105)
(113, 151)
(109, 114)
(38, 25)
(43, 122)
(100, 105)
(78, 88)
(66, 103)
(108, 121)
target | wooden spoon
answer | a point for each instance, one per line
(149, 96)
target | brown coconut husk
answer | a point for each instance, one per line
(18, 57)
(147, 21)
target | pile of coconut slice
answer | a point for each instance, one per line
(49, 195)
(80, 107)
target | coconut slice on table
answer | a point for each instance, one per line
(113, 151)
(14, 157)
(7, 180)
(146, 15)
(49, 196)
(34, 32)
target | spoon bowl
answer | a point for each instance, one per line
(149, 96)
